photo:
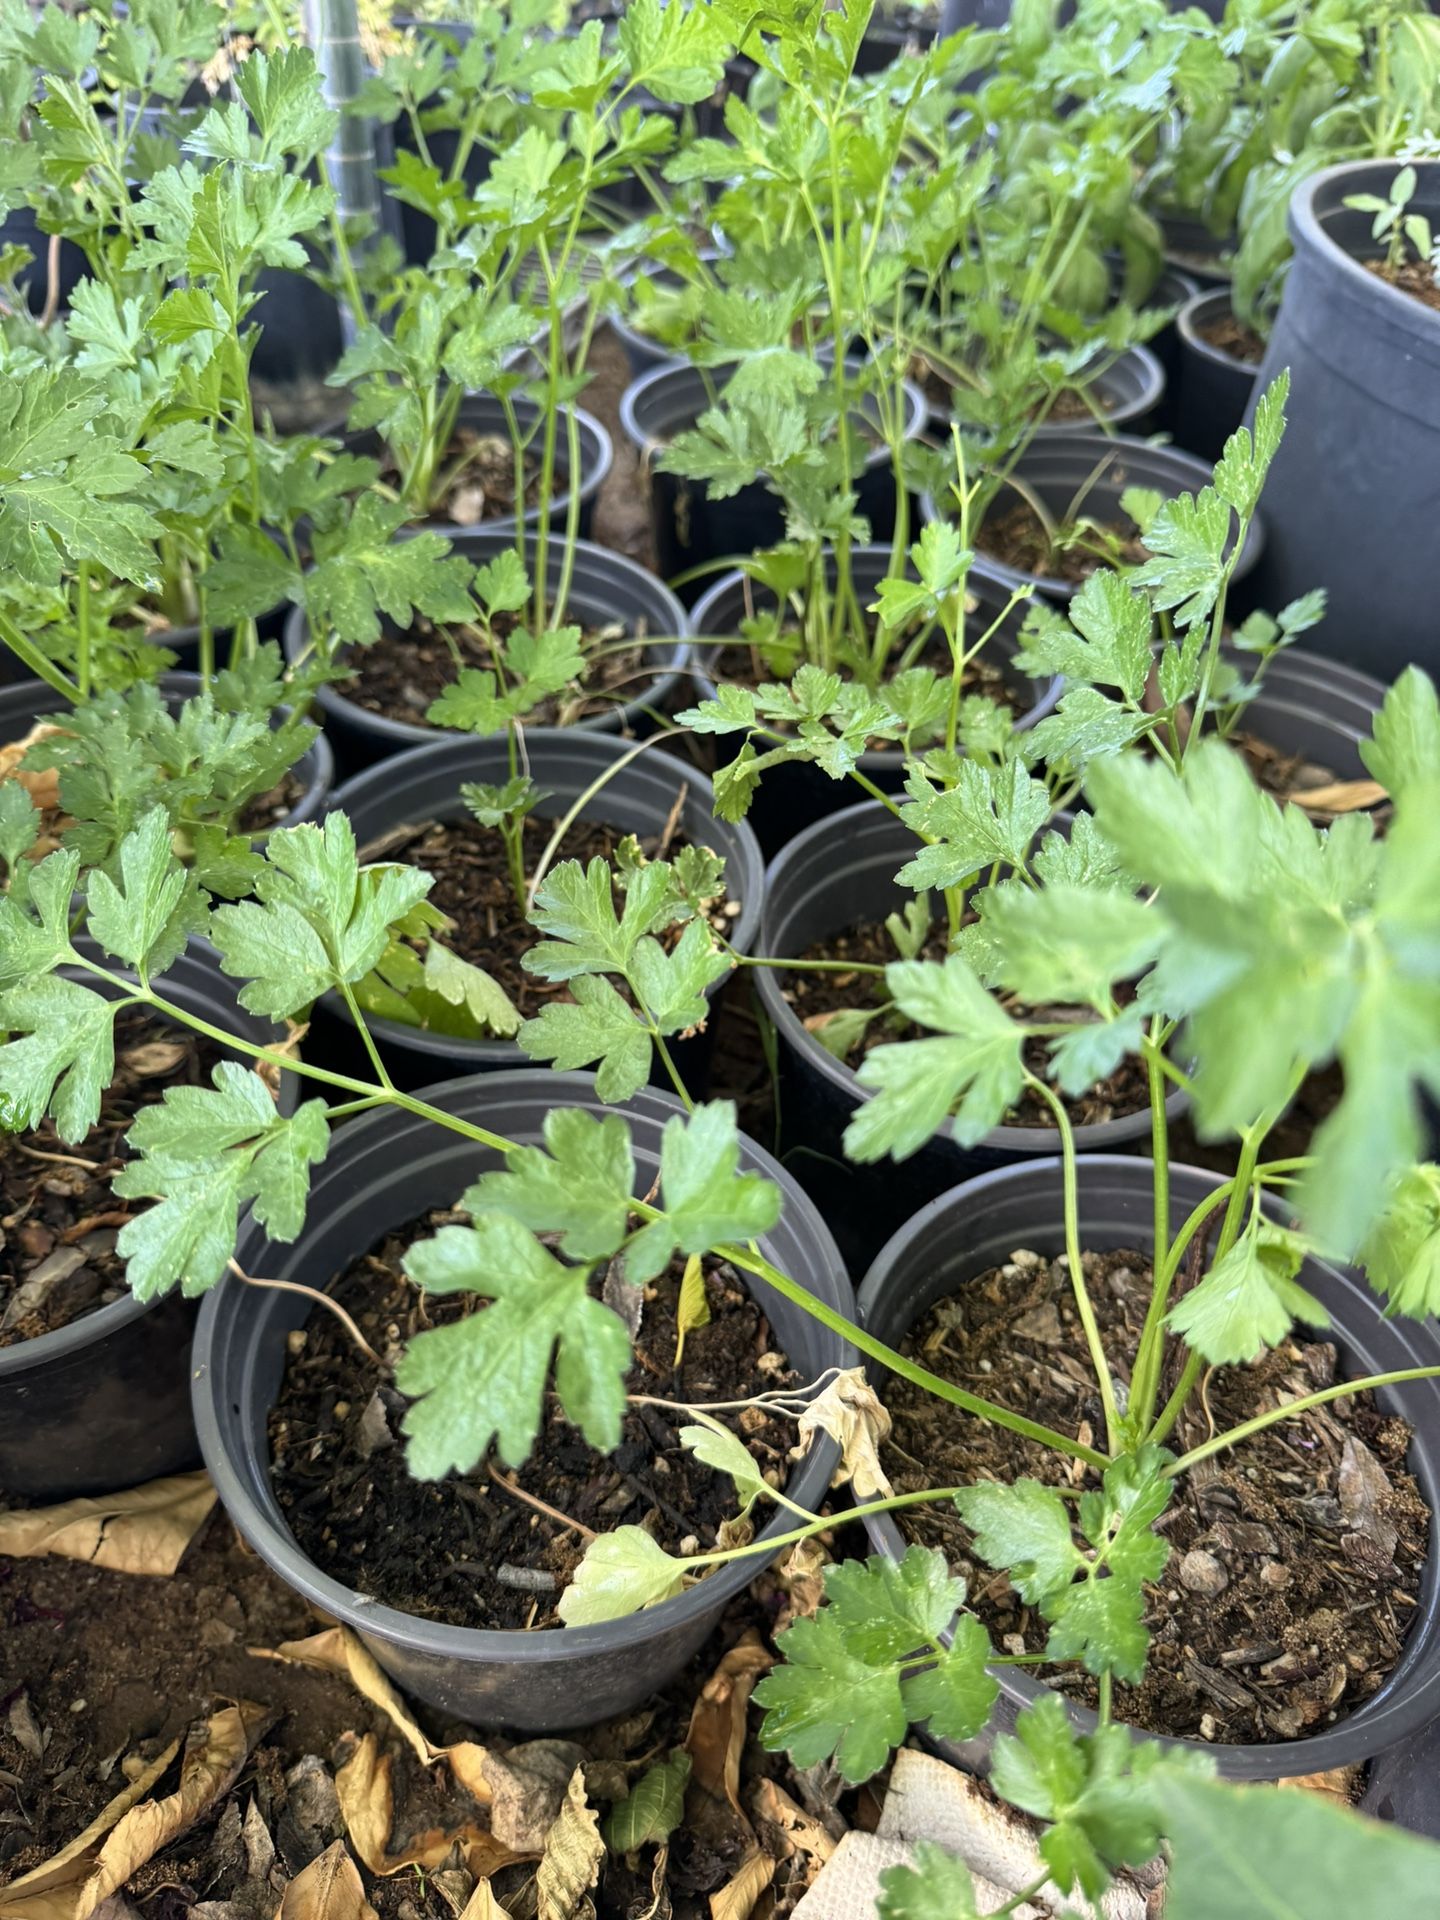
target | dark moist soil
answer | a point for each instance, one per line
(1071, 404)
(1415, 277)
(268, 810)
(58, 1218)
(1233, 338)
(1289, 1139)
(439, 1549)
(1017, 537)
(403, 673)
(100, 1671)
(1296, 1560)
(485, 488)
(814, 995)
(472, 887)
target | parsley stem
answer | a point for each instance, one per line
(1275, 1414)
(747, 1260)
(1072, 1248)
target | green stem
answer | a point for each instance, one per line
(372, 1051)
(30, 655)
(746, 1259)
(1368, 1384)
(1073, 1255)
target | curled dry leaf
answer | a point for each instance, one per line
(849, 1410)
(329, 1888)
(801, 1578)
(367, 1806)
(1342, 796)
(790, 1831)
(736, 1899)
(482, 1904)
(43, 785)
(337, 1650)
(716, 1737)
(528, 1786)
(143, 1531)
(571, 1864)
(133, 1829)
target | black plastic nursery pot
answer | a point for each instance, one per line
(1127, 391)
(1195, 250)
(605, 588)
(1213, 388)
(382, 1171)
(104, 1403)
(793, 797)
(835, 875)
(22, 705)
(483, 414)
(889, 34)
(638, 797)
(980, 1225)
(1086, 473)
(1350, 501)
(692, 529)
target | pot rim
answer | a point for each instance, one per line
(1308, 227)
(280, 1552)
(1088, 451)
(1276, 1760)
(94, 1327)
(448, 1048)
(844, 1080)
(1187, 325)
(408, 734)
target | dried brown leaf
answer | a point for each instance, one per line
(1342, 796)
(573, 1853)
(132, 1829)
(794, 1831)
(43, 786)
(337, 1650)
(736, 1899)
(143, 1531)
(366, 1793)
(849, 1410)
(528, 1787)
(716, 1738)
(483, 1905)
(330, 1888)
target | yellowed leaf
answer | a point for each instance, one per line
(143, 1531)
(736, 1899)
(571, 1862)
(849, 1410)
(716, 1737)
(338, 1650)
(73, 1885)
(482, 1904)
(43, 786)
(330, 1888)
(366, 1794)
(48, 1892)
(1342, 796)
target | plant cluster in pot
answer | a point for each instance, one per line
(756, 626)
(468, 639)
(509, 829)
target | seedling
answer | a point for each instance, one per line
(1396, 225)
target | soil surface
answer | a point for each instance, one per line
(1017, 537)
(99, 1671)
(479, 470)
(1297, 1557)
(1415, 277)
(402, 674)
(58, 1217)
(468, 1549)
(817, 996)
(1232, 337)
(270, 809)
(472, 887)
